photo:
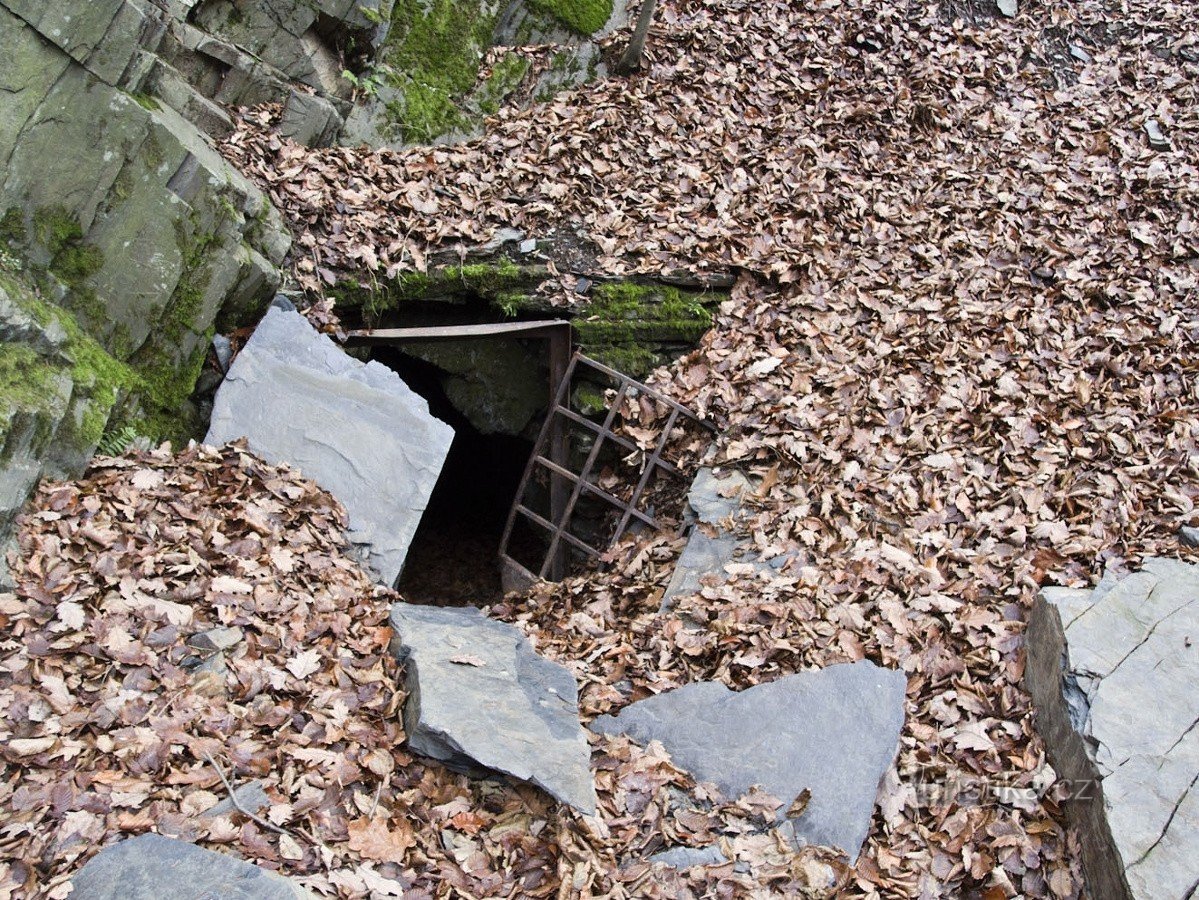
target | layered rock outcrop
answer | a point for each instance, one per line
(123, 229)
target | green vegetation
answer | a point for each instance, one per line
(504, 78)
(626, 324)
(500, 282)
(583, 16)
(145, 101)
(28, 380)
(432, 56)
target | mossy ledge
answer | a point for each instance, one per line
(635, 327)
(503, 283)
(631, 326)
(29, 378)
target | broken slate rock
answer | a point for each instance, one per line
(1157, 139)
(1008, 8)
(1112, 674)
(478, 694)
(250, 796)
(1189, 535)
(355, 429)
(834, 732)
(153, 867)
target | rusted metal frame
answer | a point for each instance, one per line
(561, 368)
(646, 475)
(595, 489)
(550, 527)
(564, 522)
(541, 328)
(595, 428)
(542, 440)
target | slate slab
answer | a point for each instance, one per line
(1112, 673)
(478, 694)
(834, 732)
(356, 429)
(153, 867)
(713, 500)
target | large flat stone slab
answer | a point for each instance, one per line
(356, 429)
(153, 867)
(478, 694)
(834, 732)
(1113, 673)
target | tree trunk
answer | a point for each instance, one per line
(631, 60)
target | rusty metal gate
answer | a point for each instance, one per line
(552, 453)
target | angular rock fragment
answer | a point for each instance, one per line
(712, 500)
(355, 429)
(1112, 673)
(479, 694)
(833, 732)
(153, 867)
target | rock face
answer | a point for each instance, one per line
(355, 429)
(480, 695)
(833, 732)
(136, 234)
(1112, 672)
(152, 867)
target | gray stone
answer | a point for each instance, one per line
(1112, 673)
(713, 497)
(528, 246)
(687, 857)
(250, 796)
(1079, 53)
(310, 120)
(153, 867)
(356, 429)
(1157, 139)
(704, 554)
(713, 501)
(479, 694)
(497, 384)
(834, 732)
(1009, 8)
(1189, 535)
(223, 349)
(217, 639)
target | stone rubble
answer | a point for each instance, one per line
(714, 503)
(478, 695)
(153, 867)
(834, 732)
(355, 429)
(1112, 673)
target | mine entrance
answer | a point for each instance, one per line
(492, 383)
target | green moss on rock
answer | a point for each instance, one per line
(582, 16)
(632, 327)
(432, 57)
(448, 284)
(505, 76)
(99, 380)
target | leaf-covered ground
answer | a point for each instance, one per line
(961, 358)
(961, 353)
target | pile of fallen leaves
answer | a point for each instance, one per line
(960, 358)
(120, 717)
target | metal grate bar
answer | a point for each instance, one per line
(553, 529)
(595, 489)
(592, 456)
(552, 454)
(646, 474)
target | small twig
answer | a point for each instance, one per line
(253, 817)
